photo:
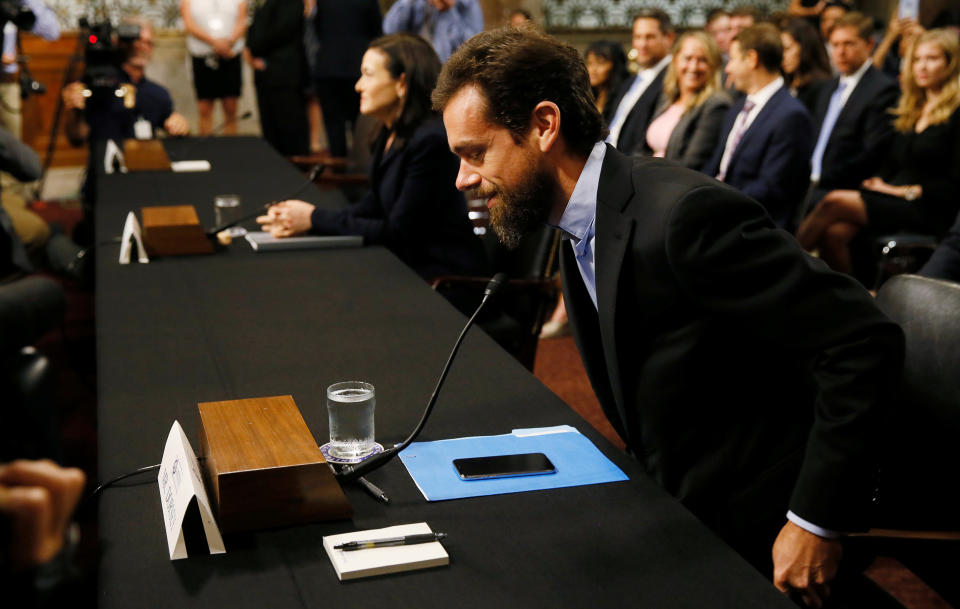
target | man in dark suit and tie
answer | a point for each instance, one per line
(630, 111)
(854, 126)
(765, 150)
(742, 373)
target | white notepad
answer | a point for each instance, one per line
(262, 241)
(377, 561)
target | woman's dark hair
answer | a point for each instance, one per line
(814, 63)
(612, 52)
(413, 57)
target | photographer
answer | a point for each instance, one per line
(29, 15)
(144, 107)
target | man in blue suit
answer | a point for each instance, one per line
(765, 152)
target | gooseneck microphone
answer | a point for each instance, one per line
(317, 169)
(352, 472)
(215, 132)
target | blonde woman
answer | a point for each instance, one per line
(689, 115)
(917, 188)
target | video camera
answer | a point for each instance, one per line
(105, 51)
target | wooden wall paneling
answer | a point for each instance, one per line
(47, 62)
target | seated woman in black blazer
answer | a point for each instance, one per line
(917, 188)
(690, 112)
(806, 68)
(413, 206)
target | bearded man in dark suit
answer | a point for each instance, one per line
(743, 374)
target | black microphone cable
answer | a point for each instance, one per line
(352, 472)
(317, 169)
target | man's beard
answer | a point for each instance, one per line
(520, 211)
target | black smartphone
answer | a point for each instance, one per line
(503, 466)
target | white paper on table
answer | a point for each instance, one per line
(180, 481)
(131, 228)
(112, 154)
(190, 166)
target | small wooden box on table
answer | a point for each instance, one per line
(174, 230)
(264, 467)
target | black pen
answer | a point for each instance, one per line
(406, 540)
(375, 491)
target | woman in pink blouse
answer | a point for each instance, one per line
(687, 122)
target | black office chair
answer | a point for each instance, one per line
(516, 315)
(901, 253)
(29, 308)
(917, 521)
(351, 173)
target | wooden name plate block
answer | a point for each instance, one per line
(264, 468)
(145, 155)
(174, 230)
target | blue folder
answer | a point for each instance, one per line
(577, 460)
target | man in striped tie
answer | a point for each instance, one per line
(765, 150)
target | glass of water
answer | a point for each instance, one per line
(226, 208)
(350, 406)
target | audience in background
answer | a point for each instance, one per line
(689, 115)
(766, 138)
(832, 11)
(344, 30)
(806, 8)
(806, 67)
(893, 47)
(446, 24)
(852, 115)
(718, 26)
(413, 206)
(275, 52)
(607, 68)
(215, 40)
(741, 18)
(629, 114)
(917, 185)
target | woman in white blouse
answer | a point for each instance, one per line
(215, 39)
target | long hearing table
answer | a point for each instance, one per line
(236, 324)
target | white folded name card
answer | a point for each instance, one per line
(181, 485)
(131, 228)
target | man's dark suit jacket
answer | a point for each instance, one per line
(413, 207)
(742, 373)
(862, 134)
(345, 30)
(695, 136)
(276, 36)
(633, 134)
(771, 163)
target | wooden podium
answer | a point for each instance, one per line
(263, 466)
(145, 155)
(174, 230)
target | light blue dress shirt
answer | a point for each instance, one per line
(446, 30)
(578, 221)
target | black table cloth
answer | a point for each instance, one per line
(236, 324)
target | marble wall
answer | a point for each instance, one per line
(619, 13)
